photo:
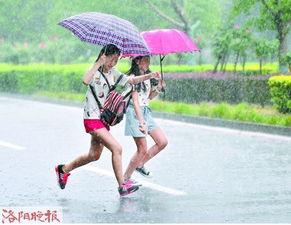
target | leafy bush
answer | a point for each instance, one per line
(209, 87)
(280, 88)
(41, 77)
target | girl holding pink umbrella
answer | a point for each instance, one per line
(139, 121)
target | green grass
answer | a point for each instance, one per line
(243, 112)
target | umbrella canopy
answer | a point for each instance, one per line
(103, 29)
(165, 41)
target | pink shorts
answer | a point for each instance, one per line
(94, 124)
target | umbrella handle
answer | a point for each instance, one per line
(163, 90)
(161, 65)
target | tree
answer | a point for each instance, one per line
(287, 60)
(35, 21)
(273, 15)
(264, 49)
(183, 24)
(22, 20)
(198, 19)
(189, 16)
(239, 44)
(220, 47)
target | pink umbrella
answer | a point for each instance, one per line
(165, 41)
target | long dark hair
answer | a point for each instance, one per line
(134, 69)
(109, 49)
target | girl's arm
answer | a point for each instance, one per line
(142, 124)
(90, 73)
(155, 92)
(138, 79)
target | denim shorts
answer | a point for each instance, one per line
(131, 123)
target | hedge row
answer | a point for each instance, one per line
(188, 88)
(41, 77)
(280, 88)
(207, 87)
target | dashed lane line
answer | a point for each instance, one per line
(144, 183)
(9, 145)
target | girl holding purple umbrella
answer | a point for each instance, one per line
(139, 121)
(100, 135)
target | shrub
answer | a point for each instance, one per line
(41, 77)
(209, 87)
(280, 88)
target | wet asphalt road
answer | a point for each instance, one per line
(206, 174)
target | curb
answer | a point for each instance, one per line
(244, 126)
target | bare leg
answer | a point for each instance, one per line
(101, 138)
(93, 155)
(112, 144)
(160, 143)
(141, 144)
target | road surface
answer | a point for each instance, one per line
(206, 174)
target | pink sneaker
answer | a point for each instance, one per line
(127, 188)
(132, 181)
(62, 177)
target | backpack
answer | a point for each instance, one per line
(115, 105)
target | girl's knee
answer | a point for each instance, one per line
(94, 156)
(162, 144)
(117, 150)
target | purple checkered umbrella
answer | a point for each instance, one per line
(102, 29)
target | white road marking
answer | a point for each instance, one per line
(144, 183)
(9, 145)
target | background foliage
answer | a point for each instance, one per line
(29, 30)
